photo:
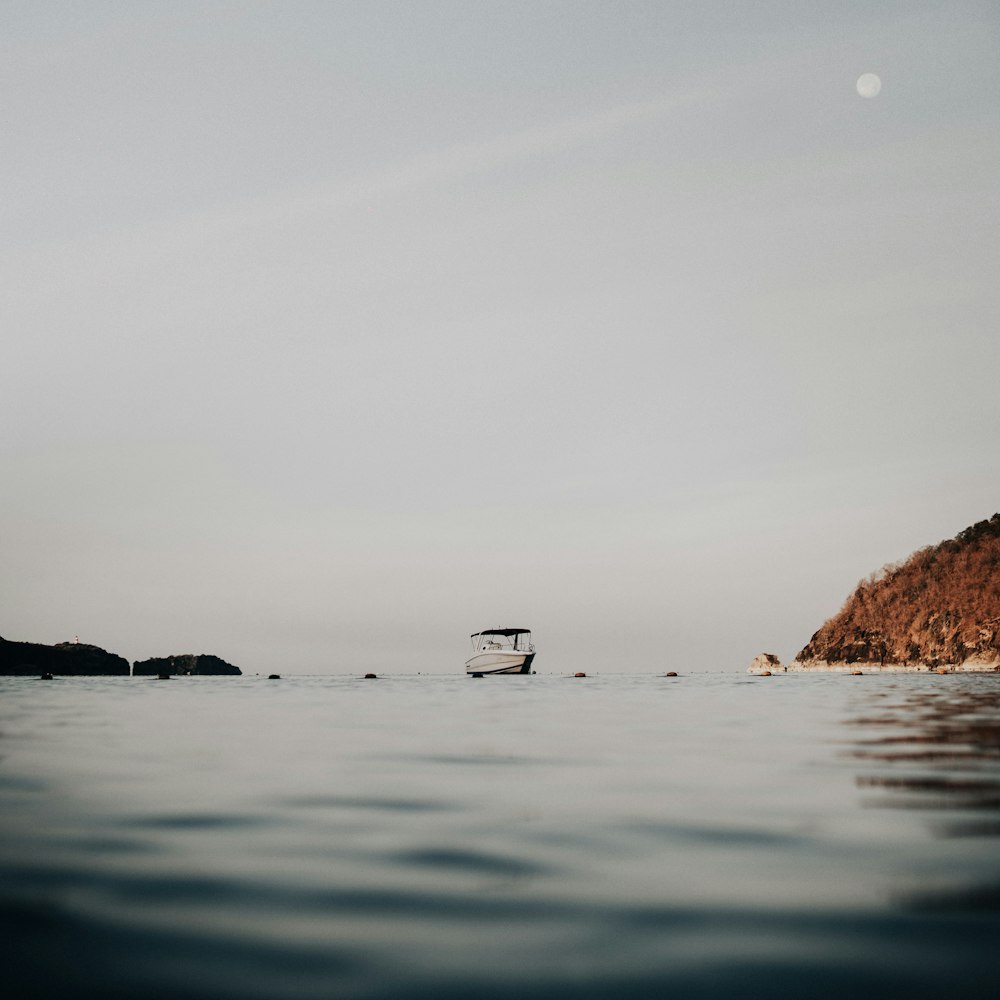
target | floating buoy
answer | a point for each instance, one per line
(371, 677)
(579, 673)
(670, 673)
(274, 677)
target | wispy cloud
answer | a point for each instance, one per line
(479, 156)
(407, 175)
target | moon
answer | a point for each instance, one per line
(869, 85)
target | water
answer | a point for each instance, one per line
(436, 836)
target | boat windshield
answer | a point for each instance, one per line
(502, 638)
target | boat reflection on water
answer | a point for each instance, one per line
(937, 750)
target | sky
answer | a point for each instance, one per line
(336, 332)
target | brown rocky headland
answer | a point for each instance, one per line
(938, 610)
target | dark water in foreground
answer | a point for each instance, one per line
(435, 836)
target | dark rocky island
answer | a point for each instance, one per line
(80, 659)
(199, 664)
(937, 610)
(66, 659)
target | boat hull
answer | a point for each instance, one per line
(500, 662)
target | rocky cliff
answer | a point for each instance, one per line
(938, 608)
(185, 663)
(68, 659)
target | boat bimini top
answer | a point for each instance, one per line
(508, 632)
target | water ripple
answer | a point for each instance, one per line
(473, 862)
(368, 803)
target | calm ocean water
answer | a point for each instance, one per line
(710, 835)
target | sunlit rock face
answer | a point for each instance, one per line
(765, 662)
(939, 607)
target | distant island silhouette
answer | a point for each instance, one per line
(81, 659)
(203, 664)
(937, 610)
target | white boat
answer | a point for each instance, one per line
(501, 651)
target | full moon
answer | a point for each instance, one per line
(869, 85)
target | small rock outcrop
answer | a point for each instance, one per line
(64, 659)
(765, 663)
(199, 664)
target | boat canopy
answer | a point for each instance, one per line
(502, 631)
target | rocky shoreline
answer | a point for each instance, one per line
(767, 664)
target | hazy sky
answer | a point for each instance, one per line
(334, 332)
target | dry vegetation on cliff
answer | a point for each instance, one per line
(939, 607)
